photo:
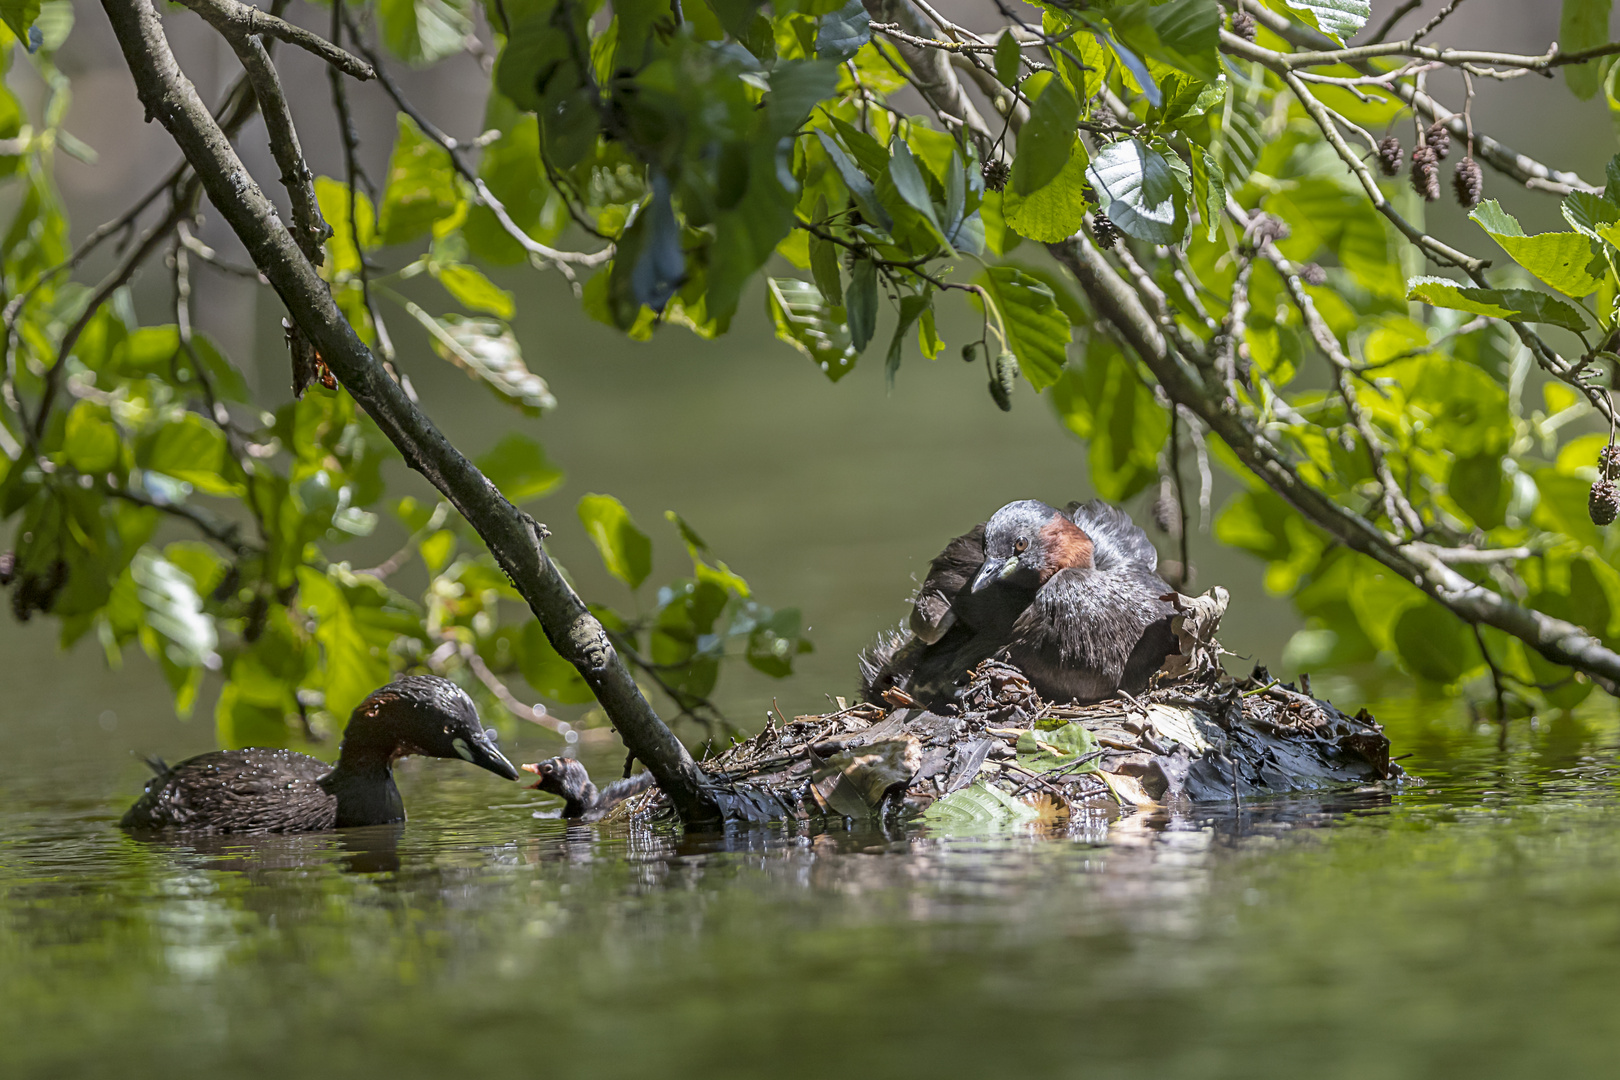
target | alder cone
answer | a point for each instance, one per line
(1468, 182)
(1243, 25)
(996, 174)
(1426, 173)
(1438, 139)
(1104, 231)
(1313, 274)
(1389, 155)
(1604, 502)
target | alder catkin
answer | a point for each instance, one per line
(1389, 155)
(1468, 182)
(1313, 274)
(1426, 173)
(1438, 139)
(1001, 387)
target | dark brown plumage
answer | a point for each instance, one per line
(1069, 597)
(259, 790)
(581, 799)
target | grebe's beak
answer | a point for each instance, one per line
(994, 570)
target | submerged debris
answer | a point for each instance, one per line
(1004, 754)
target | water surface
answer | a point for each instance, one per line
(1470, 926)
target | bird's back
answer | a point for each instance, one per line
(236, 791)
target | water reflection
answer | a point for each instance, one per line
(1471, 925)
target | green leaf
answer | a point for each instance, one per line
(549, 674)
(473, 290)
(626, 551)
(1038, 332)
(487, 350)
(840, 34)
(860, 301)
(774, 641)
(1140, 192)
(1181, 33)
(192, 450)
(174, 611)
(1047, 138)
(979, 805)
(1209, 189)
(911, 307)
(1104, 403)
(1341, 18)
(90, 440)
(805, 321)
(1043, 751)
(352, 665)
(1590, 213)
(1008, 59)
(518, 466)
(824, 266)
(1583, 25)
(908, 181)
(1516, 305)
(1433, 643)
(19, 15)
(425, 31)
(859, 184)
(1570, 262)
(1055, 212)
(421, 188)
(1478, 485)
(343, 247)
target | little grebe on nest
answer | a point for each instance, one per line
(284, 791)
(1069, 597)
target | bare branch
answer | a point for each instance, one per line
(238, 21)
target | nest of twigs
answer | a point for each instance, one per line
(1198, 734)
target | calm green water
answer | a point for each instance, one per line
(1468, 927)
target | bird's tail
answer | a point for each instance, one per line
(158, 766)
(887, 664)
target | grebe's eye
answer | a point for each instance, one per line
(1020, 546)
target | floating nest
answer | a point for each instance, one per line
(1197, 734)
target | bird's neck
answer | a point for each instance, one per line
(582, 803)
(363, 785)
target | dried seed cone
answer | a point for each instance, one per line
(1243, 25)
(1389, 155)
(1608, 461)
(1468, 183)
(1104, 231)
(1438, 139)
(1604, 502)
(996, 174)
(1313, 274)
(1426, 173)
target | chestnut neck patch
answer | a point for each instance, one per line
(1067, 546)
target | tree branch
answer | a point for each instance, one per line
(513, 537)
(238, 21)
